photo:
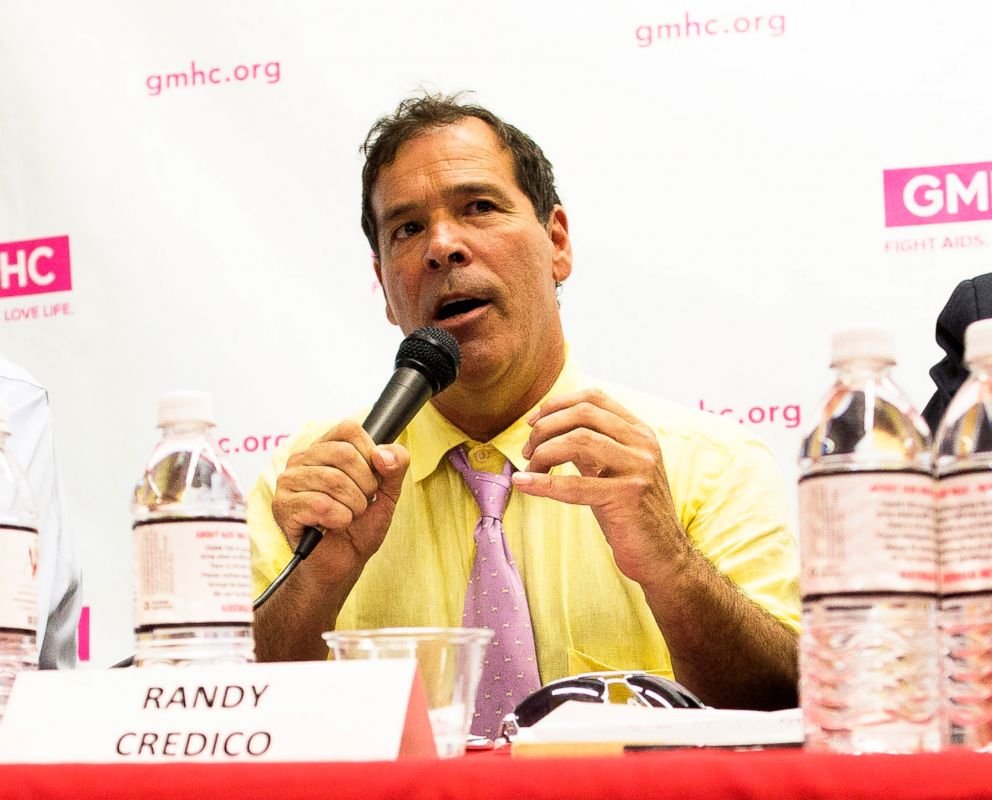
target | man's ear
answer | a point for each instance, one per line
(561, 260)
(378, 274)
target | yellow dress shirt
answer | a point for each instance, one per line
(728, 493)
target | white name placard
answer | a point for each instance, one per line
(316, 711)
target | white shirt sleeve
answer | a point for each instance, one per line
(32, 446)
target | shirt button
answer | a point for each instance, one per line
(483, 457)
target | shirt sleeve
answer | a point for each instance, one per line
(59, 647)
(741, 523)
(270, 551)
(32, 444)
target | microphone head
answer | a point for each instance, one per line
(434, 353)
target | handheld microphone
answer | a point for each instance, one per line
(426, 363)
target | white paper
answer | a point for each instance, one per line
(574, 722)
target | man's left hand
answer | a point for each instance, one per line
(622, 478)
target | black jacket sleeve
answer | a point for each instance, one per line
(970, 301)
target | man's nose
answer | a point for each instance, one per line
(445, 247)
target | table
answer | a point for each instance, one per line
(496, 776)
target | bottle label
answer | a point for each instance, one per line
(18, 579)
(192, 572)
(867, 532)
(964, 525)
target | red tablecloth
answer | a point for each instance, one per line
(682, 774)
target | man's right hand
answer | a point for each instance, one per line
(347, 485)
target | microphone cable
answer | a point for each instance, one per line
(310, 539)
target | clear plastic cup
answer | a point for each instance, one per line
(450, 662)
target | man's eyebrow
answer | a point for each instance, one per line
(459, 190)
(480, 187)
(402, 210)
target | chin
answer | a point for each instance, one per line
(481, 363)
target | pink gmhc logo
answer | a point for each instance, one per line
(35, 266)
(928, 195)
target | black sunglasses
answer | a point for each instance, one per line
(635, 688)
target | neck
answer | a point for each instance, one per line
(485, 412)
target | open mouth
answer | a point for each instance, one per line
(461, 306)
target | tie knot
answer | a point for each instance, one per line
(491, 490)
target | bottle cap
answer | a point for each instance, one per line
(978, 341)
(864, 343)
(185, 406)
(4, 426)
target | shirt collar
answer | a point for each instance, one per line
(430, 436)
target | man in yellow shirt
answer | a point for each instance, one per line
(646, 535)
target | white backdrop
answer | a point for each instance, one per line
(721, 162)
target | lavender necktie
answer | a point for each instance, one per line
(496, 600)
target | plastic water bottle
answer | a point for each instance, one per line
(868, 652)
(18, 571)
(963, 467)
(192, 557)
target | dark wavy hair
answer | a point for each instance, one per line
(417, 115)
